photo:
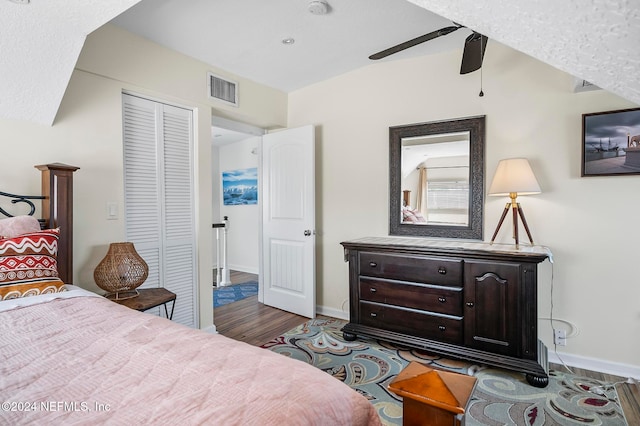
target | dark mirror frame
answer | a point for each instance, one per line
(476, 128)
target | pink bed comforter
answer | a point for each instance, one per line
(87, 360)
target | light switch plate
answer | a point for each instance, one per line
(112, 210)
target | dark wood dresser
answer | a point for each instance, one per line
(467, 300)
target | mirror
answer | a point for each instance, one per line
(436, 174)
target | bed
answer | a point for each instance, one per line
(69, 356)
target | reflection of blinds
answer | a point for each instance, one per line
(447, 195)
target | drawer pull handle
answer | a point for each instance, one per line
(373, 264)
(442, 328)
(442, 299)
(373, 315)
(442, 271)
(470, 304)
(373, 290)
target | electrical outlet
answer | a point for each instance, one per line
(560, 337)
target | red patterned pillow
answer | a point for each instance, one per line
(28, 265)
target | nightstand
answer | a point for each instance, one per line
(150, 298)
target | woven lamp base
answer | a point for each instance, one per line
(121, 271)
(122, 295)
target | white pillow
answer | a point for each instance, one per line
(13, 226)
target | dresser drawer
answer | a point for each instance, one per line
(443, 300)
(412, 322)
(428, 270)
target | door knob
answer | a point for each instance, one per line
(307, 232)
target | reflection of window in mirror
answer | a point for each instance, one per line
(435, 179)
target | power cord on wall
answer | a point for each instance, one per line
(598, 390)
(553, 328)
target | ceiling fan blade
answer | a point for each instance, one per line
(407, 44)
(473, 53)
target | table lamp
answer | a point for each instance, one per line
(121, 271)
(514, 177)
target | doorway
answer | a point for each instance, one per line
(273, 235)
(235, 152)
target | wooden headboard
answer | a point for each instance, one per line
(57, 210)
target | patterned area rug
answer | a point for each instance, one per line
(500, 398)
(233, 293)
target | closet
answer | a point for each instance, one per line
(159, 197)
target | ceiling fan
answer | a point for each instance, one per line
(472, 55)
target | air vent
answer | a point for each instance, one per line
(222, 90)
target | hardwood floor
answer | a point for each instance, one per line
(252, 322)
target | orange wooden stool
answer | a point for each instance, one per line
(432, 397)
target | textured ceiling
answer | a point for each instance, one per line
(595, 40)
(40, 42)
(39, 45)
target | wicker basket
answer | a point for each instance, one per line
(121, 271)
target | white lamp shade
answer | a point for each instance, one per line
(514, 175)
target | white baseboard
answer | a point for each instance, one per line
(332, 312)
(211, 329)
(244, 268)
(593, 364)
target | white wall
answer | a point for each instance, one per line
(530, 111)
(88, 133)
(244, 220)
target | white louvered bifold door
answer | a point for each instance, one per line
(142, 196)
(159, 207)
(178, 217)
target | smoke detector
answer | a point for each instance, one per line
(318, 7)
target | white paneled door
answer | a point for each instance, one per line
(288, 221)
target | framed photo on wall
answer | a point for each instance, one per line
(611, 143)
(240, 187)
